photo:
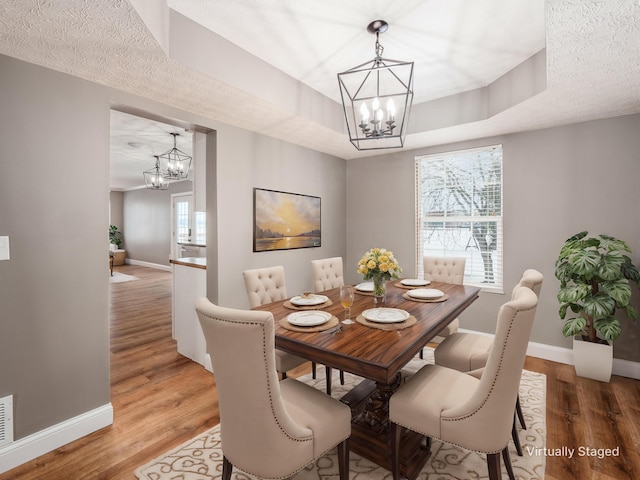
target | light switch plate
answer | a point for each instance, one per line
(4, 248)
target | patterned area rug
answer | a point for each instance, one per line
(201, 457)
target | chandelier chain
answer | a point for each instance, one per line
(379, 48)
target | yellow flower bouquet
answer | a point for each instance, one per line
(380, 265)
(379, 262)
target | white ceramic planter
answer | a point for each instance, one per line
(592, 360)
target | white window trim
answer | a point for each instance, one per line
(494, 288)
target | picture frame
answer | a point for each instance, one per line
(285, 221)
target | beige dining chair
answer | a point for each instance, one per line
(327, 273)
(447, 270)
(457, 408)
(267, 285)
(469, 352)
(270, 429)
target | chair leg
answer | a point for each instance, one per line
(226, 468)
(506, 458)
(493, 464)
(519, 412)
(341, 377)
(395, 432)
(328, 379)
(343, 460)
(516, 438)
(313, 370)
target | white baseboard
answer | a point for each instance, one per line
(44, 441)
(207, 363)
(624, 368)
(550, 352)
(166, 268)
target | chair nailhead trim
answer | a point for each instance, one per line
(264, 354)
(469, 415)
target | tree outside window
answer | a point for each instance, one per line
(459, 211)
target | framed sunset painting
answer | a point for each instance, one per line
(283, 221)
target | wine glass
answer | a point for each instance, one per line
(346, 299)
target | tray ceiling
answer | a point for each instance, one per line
(236, 61)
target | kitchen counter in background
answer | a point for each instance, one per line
(195, 262)
(189, 283)
(191, 250)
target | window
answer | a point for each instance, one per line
(200, 227)
(459, 212)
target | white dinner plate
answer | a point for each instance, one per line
(425, 293)
(365, 287)
(308, 300)
(309, 318)
(415, 282)
(385, 315)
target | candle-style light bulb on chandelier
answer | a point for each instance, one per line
(377, 97)
(154, 178)
(177, 162)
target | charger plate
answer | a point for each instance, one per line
(291, 306)
(333, 322)
(406, 296)
(385, 315)
(308, 300)
(387, 326)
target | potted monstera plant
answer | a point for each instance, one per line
(595, 276)
(115, 238)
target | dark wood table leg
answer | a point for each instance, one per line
(370, 431)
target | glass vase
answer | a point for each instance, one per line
(379, 290)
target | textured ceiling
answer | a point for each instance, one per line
(456, 45)
(135, 141)
(591, 57)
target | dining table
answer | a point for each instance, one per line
(375, 351)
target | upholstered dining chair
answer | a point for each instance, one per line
(469, 352)
(268, 428)
(457, 408)
(266, 285)
(327, 273)
(448, 270)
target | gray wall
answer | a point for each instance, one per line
(147, 222)
(54, 346)
(116, 211)
(247, 160)
(54, 340)
(557, 182)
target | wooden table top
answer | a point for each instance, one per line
(371, 352)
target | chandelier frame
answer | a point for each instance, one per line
(155, 178)
(176, 162)
(366, 86)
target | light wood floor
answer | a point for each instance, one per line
(162, 399)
